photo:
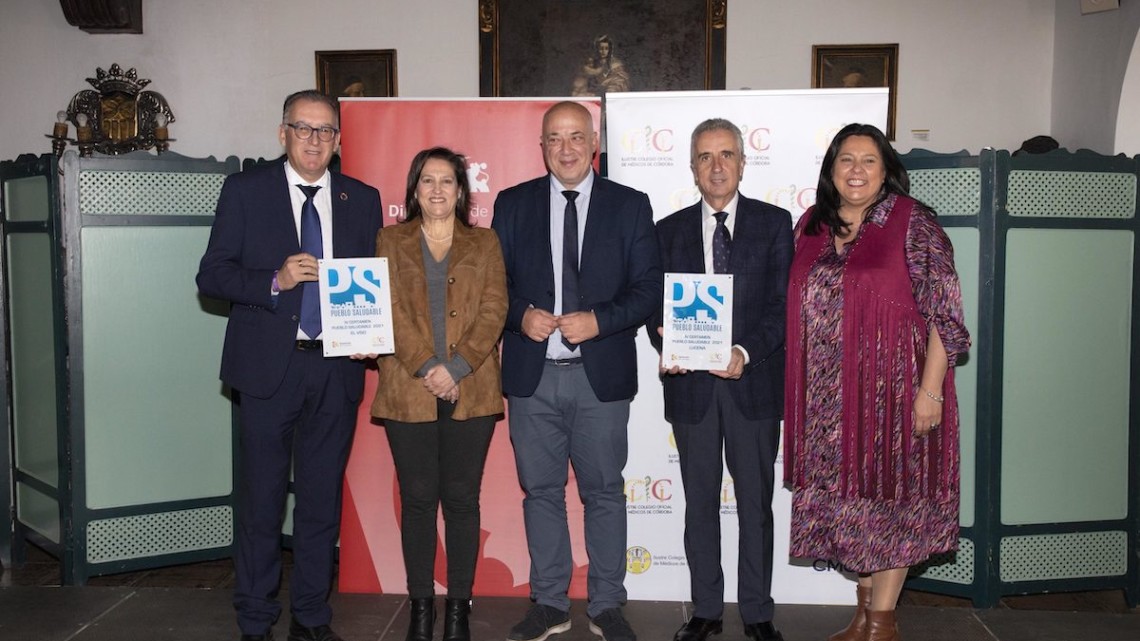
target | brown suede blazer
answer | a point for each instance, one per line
(476, 311)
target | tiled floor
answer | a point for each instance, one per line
(192, 602)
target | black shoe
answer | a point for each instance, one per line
(268, 636)
(698, 629)
(455, 626)
(612, 626)
(298, 632)
(421, 625)
(763, 631)
(541, 621)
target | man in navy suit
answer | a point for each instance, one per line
(583, 273)
(295, 406)
(736, 410)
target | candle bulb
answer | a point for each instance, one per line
(160, 130)
(82, 129)
(60, 129)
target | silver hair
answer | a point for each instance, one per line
(715, 124)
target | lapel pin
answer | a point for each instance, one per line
(343, 196)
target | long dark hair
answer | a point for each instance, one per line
(459, 164)
(827, 200)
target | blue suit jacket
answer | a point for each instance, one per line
(619, 279)
(253, 233)
(760, 260)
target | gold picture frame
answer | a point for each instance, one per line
(357, 73)
(837, 66)
(531, 48)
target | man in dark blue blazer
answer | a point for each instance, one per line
(583, 273)
(736, 410)
(295, 406)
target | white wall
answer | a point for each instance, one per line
(225, 65)
(975, 72)
(1127, 124)
(1090, 66)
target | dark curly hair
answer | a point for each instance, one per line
(458, 163)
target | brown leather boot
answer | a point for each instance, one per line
(857, 629)
(881, 626)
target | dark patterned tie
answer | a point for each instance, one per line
(311, 243)
(570, 258)
(722, 244)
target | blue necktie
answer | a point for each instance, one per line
(570, 259)
(721, 245)
(311, 243)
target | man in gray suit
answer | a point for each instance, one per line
(583, 273)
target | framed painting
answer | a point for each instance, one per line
(590, 47)
(858, 66)
(354, 74)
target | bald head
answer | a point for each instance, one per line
(567, 107)
(569, 142)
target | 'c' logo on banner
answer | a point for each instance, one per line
(647, 140)
(758, 138)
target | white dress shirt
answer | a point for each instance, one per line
(555, 349)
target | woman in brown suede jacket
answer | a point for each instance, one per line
(439, 394)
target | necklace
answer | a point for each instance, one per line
(442, 239)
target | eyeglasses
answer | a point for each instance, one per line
(304, 132)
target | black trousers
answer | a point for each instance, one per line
(749, 447)
(440, 463)
(309, 423)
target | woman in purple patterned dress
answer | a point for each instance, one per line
(871, 427)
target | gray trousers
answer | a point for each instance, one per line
(563, 422)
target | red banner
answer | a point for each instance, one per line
(500, 138)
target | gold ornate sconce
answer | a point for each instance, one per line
(115, 117)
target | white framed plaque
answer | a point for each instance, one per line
(356, 306)
(697, 321)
